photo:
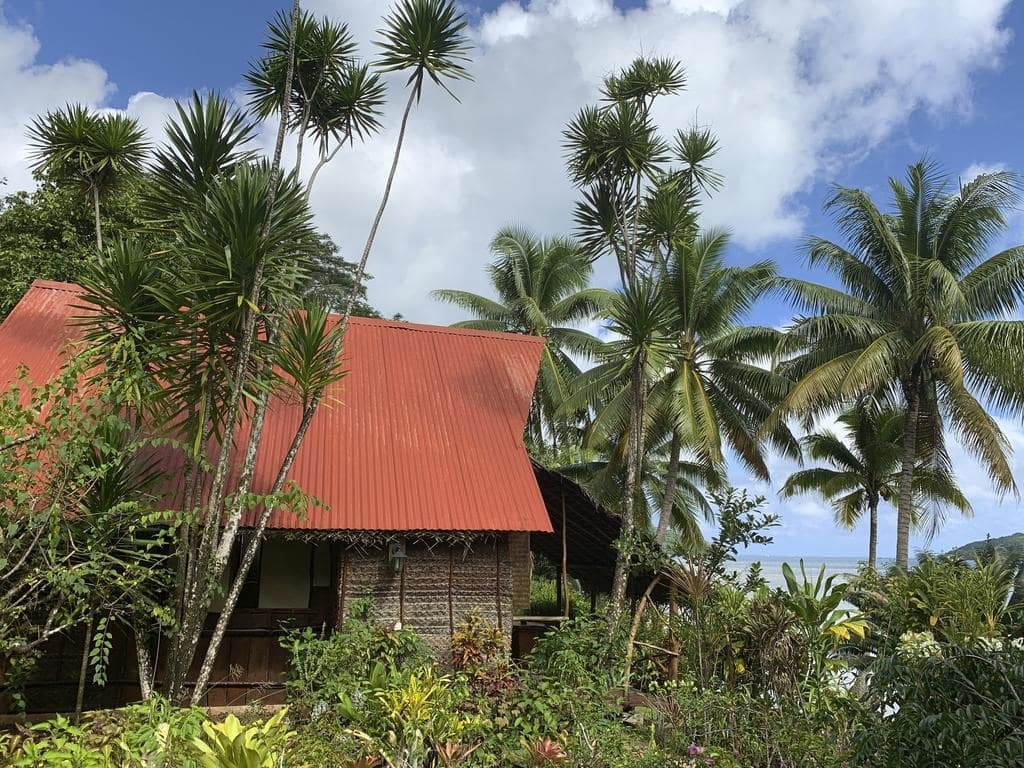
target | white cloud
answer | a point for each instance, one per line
(974, 170)
(28, 88)
(794, 90)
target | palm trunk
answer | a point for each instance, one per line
(249, 556)
(383, 205)
(906, 497)
(671, 478)
(634, 629)
(873, 532)
(324, 160)
(633, 460)
(199, 590)
(96, 217)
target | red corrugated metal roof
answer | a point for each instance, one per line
(424, 433)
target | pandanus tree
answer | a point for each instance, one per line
(625, 170)
(426, 39)
(542, 287)
(335, 98)
(97, 152)
(862, 470)
(210, 335)
(922, 314)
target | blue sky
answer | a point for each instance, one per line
(800, 99)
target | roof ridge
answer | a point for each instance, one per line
(67, 287)
(444, 329)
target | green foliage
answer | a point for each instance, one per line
(232, 745)
(959, 705)
(81, 536)
(48, 234)
(956, 600)
(325, 669)
(331, 279)
(153, 734)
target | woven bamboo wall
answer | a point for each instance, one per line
(437, 585)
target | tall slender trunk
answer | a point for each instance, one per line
(145, 664)
(324, 160)
(383, 204)
(96, 218)
(872, 532)
(249, 556)
(634, 457)
(83, 670)
(671, 478)
(201, 578)
(906, 489)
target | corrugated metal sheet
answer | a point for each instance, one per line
(424, 433)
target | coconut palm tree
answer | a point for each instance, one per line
(542, 287)
(98, 152)
(922, 315)
(864, 470)
(427, 39)
(708, 388)
(717, 390)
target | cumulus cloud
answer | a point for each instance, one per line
(795, 91)
(28, 88)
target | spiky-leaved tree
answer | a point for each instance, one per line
(94, 151)
(863, 470)
(426, 39)
(335, 98)
(922, 316)
(542, 287)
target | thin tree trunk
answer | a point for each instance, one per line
(671, 478)
(324, 160)
(199, 590)
(83, 671)
(145, 664)
(96, 215)
(249, 556)
(380, 211)
(906, 497)
(634, 457)
(873, 533)
(634, 628)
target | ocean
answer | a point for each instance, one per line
(771, 566)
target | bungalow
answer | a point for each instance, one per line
(431, 504)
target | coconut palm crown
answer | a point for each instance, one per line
(864, 469)
(922, 315)
(542, 287)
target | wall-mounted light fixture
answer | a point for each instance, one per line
(397, 554)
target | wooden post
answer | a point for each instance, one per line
(565, 563)
(497, 580)
(401, 594)
(451, 590)
(339, 621)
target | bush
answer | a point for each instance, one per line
(949, 705)
(324, 668)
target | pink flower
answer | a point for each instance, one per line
(696, 749)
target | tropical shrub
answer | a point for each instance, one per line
(324, 668)
(950, 705)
